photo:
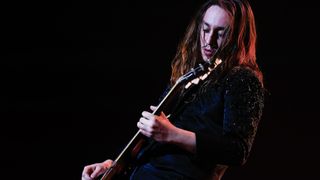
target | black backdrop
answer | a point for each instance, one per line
(75, 77)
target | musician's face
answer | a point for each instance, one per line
(214, 23)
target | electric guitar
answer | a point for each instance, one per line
(124, 163)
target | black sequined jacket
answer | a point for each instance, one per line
(224, 116)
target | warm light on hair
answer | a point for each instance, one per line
(238, 49)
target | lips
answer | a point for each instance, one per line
(208, 52)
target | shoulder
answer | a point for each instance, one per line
(242, 79)
(242, 74)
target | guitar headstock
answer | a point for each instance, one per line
(203, 73)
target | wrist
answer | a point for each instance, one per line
(184, 139)
(173, 136)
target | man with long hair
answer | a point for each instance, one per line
(215, 123)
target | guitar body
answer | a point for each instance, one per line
(123, 166)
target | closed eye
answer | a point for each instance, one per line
(206, 30)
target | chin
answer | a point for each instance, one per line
(208, 57)
(204, 57)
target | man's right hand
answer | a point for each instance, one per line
(92, 171)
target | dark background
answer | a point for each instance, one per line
(75, 76)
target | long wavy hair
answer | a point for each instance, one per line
(237, 49)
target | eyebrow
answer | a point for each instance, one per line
(217, 28)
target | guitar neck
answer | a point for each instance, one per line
(129, 154)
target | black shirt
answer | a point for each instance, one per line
(224, 116)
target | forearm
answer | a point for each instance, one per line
(222, 149)
(184, 139)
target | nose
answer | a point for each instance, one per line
(212, 40)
